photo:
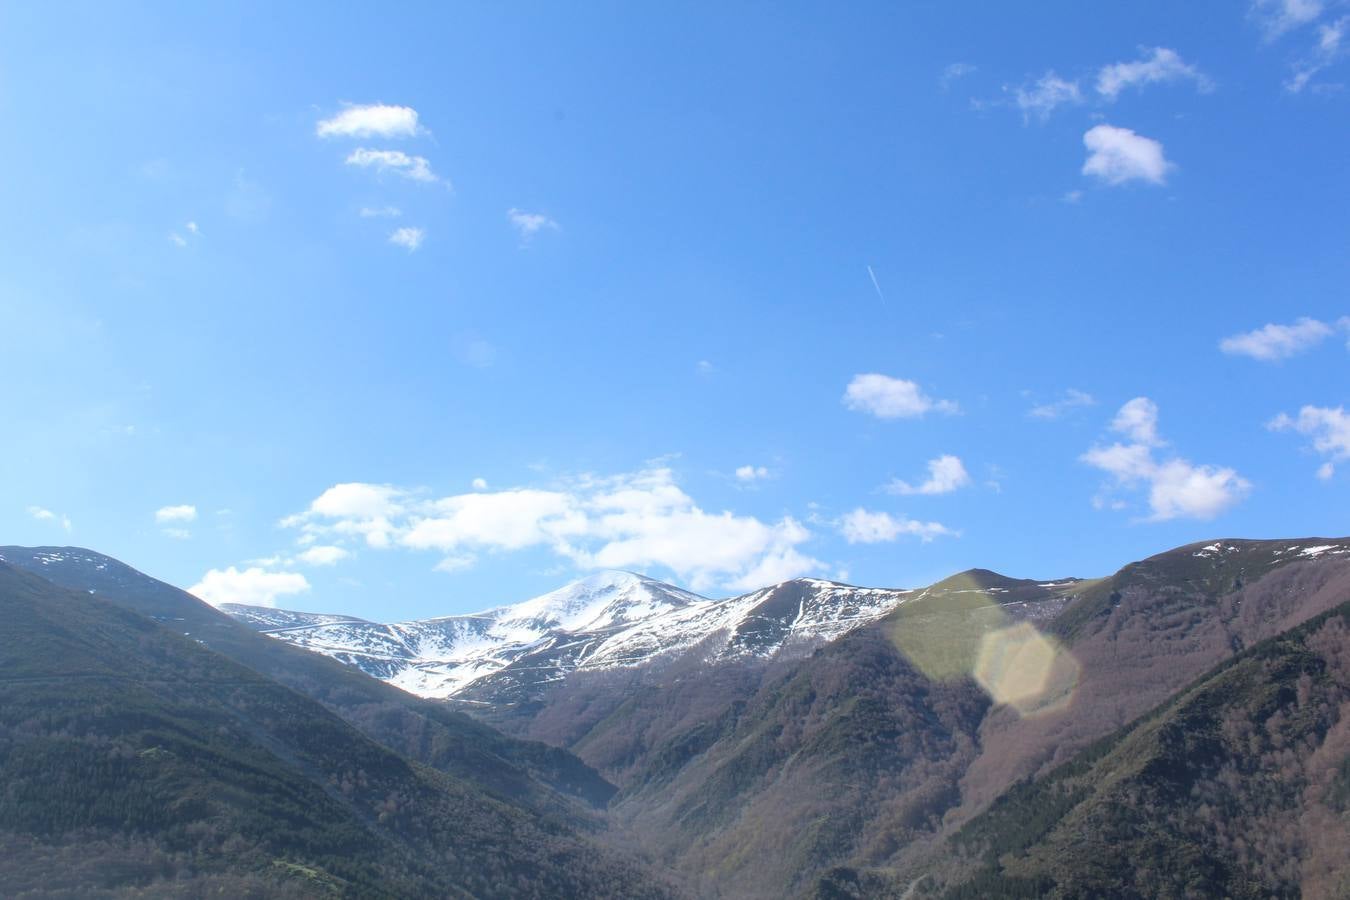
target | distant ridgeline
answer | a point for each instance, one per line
(1180, 728)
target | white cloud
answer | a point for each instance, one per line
(503, 520)
(1072, 399)
(1275, 342)
(529, 224)
(43, 514)
(177, 240)
(183, 513)
(323, 555)
(408, 237)
(373, 120)
(891, 398)
(1129, 463)
(1176, 487)
(480, 484)
(1201, 492)
(1138, 420)
(358, 500)
(414, 168)
(356, 510)
(178, 534)
(862, 526)
(704, 367)
(253, 586)
(1161, 66)
(1118, 155)
(1278, 16)
(635, 520)
(380, 212)
(775, 567)
(1044, 95)
(752, 473)
(945, 474)
(1329, 429)
(192, 227)
(454, 563)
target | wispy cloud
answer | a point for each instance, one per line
(185, 512)
(174, 519)
(42, 514)
(414, 168)
(1072, 399)
(863, 526)
(1275, 17)
(178, 240)
(1329, 429)
(892, 398)
(380, 212)
(408, 237)
(373, 120)
(1118, 156)
(1046, 94)
(1272, 342)
(750, 474)
(955, 72)
(1158, 66)
(323, 555)
(1329, 48)
(529, 224)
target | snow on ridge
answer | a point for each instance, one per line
(1318, 550)
(607, 620)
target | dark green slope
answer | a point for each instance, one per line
(1238, 787)
(528, 773)
(133, 761)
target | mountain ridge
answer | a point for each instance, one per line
(607, 620)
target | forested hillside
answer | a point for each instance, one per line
(135, 761)
(1239, 787)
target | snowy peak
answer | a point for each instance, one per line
(600, 601)
(604, 621)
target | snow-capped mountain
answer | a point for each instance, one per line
(608, 620)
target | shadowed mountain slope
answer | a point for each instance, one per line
(134, 761)
(528, 773)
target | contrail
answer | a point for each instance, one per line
(876, 285)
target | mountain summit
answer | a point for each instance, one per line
(604, 621)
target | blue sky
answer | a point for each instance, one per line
(406, 314)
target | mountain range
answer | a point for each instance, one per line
(605, 621)
(1178, 728)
